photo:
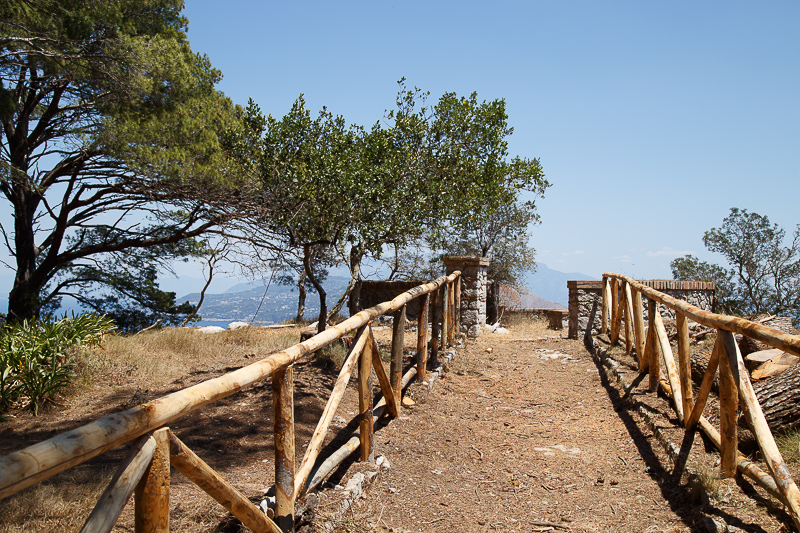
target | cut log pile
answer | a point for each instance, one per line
(775, 374)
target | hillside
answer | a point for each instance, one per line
(551, 285)
(259, 303)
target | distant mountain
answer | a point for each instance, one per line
(529, 300)
(267, 305)
(551, 285)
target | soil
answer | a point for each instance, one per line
(522, 432)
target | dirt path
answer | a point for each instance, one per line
(527, 435)
(523, 432)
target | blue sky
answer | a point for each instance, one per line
(651, 119)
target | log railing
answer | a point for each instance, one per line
(146, 469)
(622, 303)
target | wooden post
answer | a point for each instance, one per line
(283, 421)
(685, 363)
(616, 315)
(392, 399)
(654, 350)
(445, 314)
(758, 424)
(435, 299)
(398, 340)
(457, 308)
(451, 299)
(728, 417)
(151, 513)
(365, 405)
(606, 303)
(363, 342)
(638, 327)
(669, 363)
(119, 490)
(627, 299)
(189, 464)
(705, 386)
(422, 338)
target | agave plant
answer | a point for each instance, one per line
(35, 356)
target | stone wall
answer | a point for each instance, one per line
(582, 295)
(474, 282)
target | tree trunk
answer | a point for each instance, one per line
(202, 293)
(491, 303)
(301, 299)
(355, 274)
(323, 304)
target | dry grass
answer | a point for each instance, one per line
(64, 500)
(151, 360)
(160, 357)
(523, 326)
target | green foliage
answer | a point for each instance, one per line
(690, 268)
(503, 237)
(35, 360)
(113, 139)
(764, 274)
(436, 170)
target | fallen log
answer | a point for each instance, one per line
(779, 395)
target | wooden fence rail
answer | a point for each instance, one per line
(145, 471)
(621, 303)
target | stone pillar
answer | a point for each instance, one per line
(474, 281)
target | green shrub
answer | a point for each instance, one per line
(35, 360)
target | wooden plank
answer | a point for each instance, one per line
(151, 496)
(758, 425)
(398, 341)
(627, 299)
(655, 346)
(365, 405)
(392, 396)
(196, 470)
(638, 327)
(119, 490)
(685, 362)
(728, 417)
(47, 458)
(669, 360)
(606, 295)
(422, 338)
(283, 420)
(616, 314)
(363, 340)
(705, 387)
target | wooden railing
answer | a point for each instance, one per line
(622, 304)
(146, 469)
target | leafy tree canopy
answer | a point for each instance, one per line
(423, 170)
(763, 264)
(113, 140)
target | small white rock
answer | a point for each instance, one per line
(210, 329)
(383, 462)
(237, 325)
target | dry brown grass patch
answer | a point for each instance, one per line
(159, 357)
